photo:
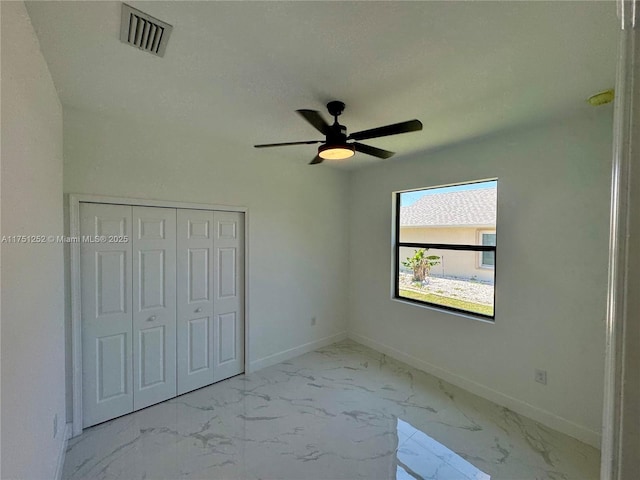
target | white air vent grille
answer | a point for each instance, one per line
(143, 31)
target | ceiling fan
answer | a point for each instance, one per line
(336, 146)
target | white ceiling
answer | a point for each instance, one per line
(241, 69)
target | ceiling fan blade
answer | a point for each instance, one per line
(307, 142)
(315, 119)
(316, 160)
(369, 150)
(395, 129)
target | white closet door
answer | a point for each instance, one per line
(106, 313)
(228, 299)
(195, 299)
(154, 305)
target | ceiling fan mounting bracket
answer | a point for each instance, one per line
(335, 108)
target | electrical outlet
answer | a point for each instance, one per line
(313, 321)
(540, 376)
(55, 425)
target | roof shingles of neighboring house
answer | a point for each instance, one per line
(466, 207)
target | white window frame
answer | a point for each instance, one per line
(480, 234)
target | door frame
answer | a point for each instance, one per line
(75, 199)
(621, 384)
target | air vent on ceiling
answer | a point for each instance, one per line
(143, 31)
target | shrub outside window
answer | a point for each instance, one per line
(445, 250)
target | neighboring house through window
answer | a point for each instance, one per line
(445, 247)
(487, 259)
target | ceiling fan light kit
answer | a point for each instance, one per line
(336, 152)
(335, 145)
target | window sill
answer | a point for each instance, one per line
(469, 316)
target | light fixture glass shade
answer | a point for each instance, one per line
(336, 152)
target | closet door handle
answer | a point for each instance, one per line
(151, 318)
(198, 310)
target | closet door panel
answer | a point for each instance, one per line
(154, 300)
(162, 305)
(228, 319)
(195, 299)
(105, 269)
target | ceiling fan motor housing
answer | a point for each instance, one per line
(337, 134)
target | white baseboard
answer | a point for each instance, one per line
(540, 415)
(296, 351)
(63, 449)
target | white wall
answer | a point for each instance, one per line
(298, 214)
(553, 210)
(33, 376)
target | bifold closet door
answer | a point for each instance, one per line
(228, 297)
(105, 269)
(154, 305)
(162, 304)
(195, 299)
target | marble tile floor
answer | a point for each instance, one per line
(341, 412)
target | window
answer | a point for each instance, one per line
(488, 259)
(445, 250)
